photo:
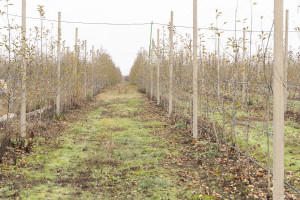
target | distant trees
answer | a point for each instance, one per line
(126, 78)
(110, 74)
(139, 69)
(82, 75)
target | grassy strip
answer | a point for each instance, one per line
(110, 154)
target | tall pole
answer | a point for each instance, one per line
(244, 67)
(85, 69)
(93, 49)
(76, 49)
(195, 72)
(278, 108)
(218, 67)
(158, 69)
(171, 66)
(151, 72)
(75, 63)
(58, 65)
(149, 66)
(286, 61)
(23, 73)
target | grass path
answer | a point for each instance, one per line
(121, 146)
(113, 152)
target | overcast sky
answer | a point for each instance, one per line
(123, 42)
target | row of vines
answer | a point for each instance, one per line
(235, 96)
(83, 74)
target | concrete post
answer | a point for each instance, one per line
(85, 69)
(286, 62)
(23, 73)
(278, 107)
(195, 71)
(244, 67)
(58, 66)
(171, 66)
(158, 69)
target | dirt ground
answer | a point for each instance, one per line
(122, 146)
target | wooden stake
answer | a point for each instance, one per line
(76, 48)
(75, 64)
(195, 72)
(244, 67)
(258, 60)
(286, 61)
(76, 39)
(58, 65)
(158, 69)
(23, 73)
(93, 57)
(218, 66)
(171, 66)
(85, 69)
(151, 72)
(278, 108)
(149, 66)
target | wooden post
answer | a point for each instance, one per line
(244, 67)
(76, 48)
(145, 77)
(75, 65)
(58, 66)
(218, 66)
(195, 72)
(171, 66)
(202, 80)
(286, 61)
(93, 57)
(258, 60)
(23, 73)
(278, 107)
(158, 69)
(76, 39)
(151, 71)
(149, 66)
(0, 105)
(85, 69)
(97, 83)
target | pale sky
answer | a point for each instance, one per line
(123, 42)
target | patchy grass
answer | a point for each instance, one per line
(258, 147)
(128, 149)
(111, 153)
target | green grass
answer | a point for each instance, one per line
(258, 141)
(257, 136)
(104, 156)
